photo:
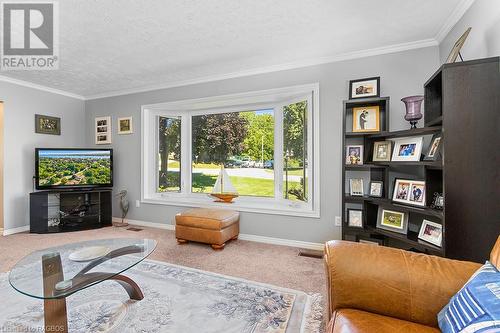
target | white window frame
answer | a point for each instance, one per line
(264, 99)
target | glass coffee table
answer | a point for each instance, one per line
(55, 273)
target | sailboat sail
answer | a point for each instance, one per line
(223, 184)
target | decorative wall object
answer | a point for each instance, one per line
(455, 51)
(124, 207)
(363, 88)
(382, 151)
(47, 125)
(407, 149)
(431, 232)
(355, 218)
(392, 220)
(366, 119)
(413, 106)
(125, 125)
(411, 192)
(434, 149)
(102, 130)
(354, 155)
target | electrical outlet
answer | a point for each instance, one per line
(137, 203)
(338, 221)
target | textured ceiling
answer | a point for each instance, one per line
(114, 45)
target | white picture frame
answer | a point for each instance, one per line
(410, 192)
(407, 149)
(356, 187)
(376, 189)
(102, 130)
(125, 125)
(431, 232)
(357, 155)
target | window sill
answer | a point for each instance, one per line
(242, 204)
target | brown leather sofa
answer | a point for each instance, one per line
(379, 289)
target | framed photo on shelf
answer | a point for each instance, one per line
(366, 119)
(407, 149)
(355, 218)
(354, 155)
(382, 151)
(411, 192)
(125, 125)
(392, 220)
(376, 188)
(363, 88)
(434, 151)
(431, 232)
(437, 201)
(356, 187)
(369, 240)
(102, 130)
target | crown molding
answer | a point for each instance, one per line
(28, 84)
(455, 16)
(276, 68)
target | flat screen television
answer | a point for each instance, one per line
(59, 168)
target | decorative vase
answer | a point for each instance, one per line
(413, 105)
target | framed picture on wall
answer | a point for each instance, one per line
(363, 88)
(102, 130)
(47, 125)
(125, 125)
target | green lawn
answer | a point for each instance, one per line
(244, 185)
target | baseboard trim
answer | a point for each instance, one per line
(247, 237)
(17, 230)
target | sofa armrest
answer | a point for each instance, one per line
(392, 282)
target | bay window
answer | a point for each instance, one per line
(267, 142)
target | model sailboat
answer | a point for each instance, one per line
(224, 190)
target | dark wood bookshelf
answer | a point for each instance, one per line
(461, 102)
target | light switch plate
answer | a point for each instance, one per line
(338, 221)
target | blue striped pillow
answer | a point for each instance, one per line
(476, 307)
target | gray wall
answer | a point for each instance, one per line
(484, 39)
(20, 106)
(402, 74)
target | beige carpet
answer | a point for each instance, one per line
(273, 264)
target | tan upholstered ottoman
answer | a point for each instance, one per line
(207, 225)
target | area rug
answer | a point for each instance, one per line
(176, 299)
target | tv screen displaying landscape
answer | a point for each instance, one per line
(73, 167)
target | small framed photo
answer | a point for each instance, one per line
(369, 240)
(434, 150)
(354, 155)
(376, 188)
(102, 130)
(407, 149)
(392, 220)
(363, 88)
(356, 187)
(355, 218)
(366, 119)
(437, 201)
(431, 232)
(382, 151)
(411, 192)
(47, 125)
(125, 125)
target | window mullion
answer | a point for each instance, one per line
(278, 152)
(186, 154)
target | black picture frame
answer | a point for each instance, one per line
(436, 154)
(349, 210)
(47, 125)
(375, 78)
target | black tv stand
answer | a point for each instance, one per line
(69, 210)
